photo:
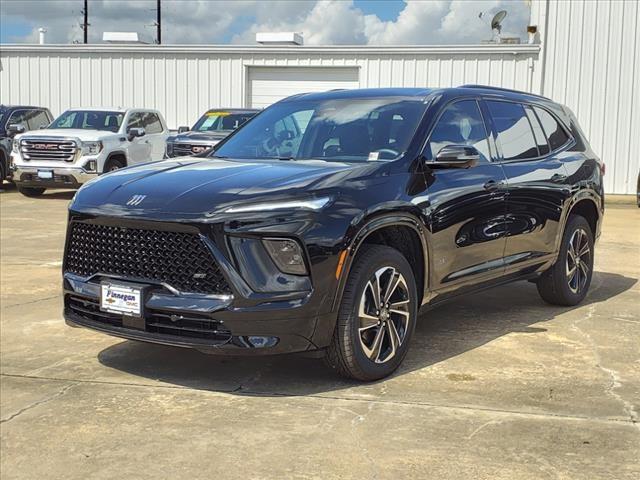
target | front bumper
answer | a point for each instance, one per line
(63, 177)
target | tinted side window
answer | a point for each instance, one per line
(460, 124)
(541, 140)
(555, 133)
(135, 121)
(151, 123)
(37, 119)
(19, 117)
(514, 131)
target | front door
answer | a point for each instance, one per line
(466, 212)
(140, 148)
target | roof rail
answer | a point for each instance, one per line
(501, 89)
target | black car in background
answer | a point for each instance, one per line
(331, 219)
(212, 127)
(16, 119)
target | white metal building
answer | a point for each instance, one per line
(590, 65)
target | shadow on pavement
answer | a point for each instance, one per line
(444, 332)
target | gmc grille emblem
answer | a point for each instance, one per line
(198, 149)
(136, 200)
(46, 146)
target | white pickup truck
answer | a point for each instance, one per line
(81, 144)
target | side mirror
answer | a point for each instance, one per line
(183, 129)
(456, 156)
(15, 129)
(136, 132)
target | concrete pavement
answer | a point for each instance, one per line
(496, 385)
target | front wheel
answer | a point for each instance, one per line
(377, 315)
(567, 281)
(31, 191)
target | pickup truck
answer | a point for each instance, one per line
(21, 118)
(212, 127)
(83, 143)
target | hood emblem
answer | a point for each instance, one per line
(136, 200)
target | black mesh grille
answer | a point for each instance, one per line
(179, 259)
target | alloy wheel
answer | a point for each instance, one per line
(578, 260)
(383, 315)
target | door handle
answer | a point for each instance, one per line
(492, 185)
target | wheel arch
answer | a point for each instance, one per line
(402, 231)
(116, 154)
(589, 205)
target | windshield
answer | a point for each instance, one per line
(89, 120)
(219, 121)
(345, 130)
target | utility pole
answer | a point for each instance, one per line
(159, 24)
(85, 24)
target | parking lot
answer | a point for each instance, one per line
(496, 385)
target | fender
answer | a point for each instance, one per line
(371, 224)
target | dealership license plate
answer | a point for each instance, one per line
(122, 299)
(45, 174)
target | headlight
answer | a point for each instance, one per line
(91, 148)
(312, 204)
(15, 146)
(287, 255)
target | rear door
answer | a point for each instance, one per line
(467, 207)
(536, 181)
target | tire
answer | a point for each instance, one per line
(558, 285)
(113, 164)
(362, 346)
(31, 191)
(3, 168)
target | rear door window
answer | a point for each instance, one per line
(538, 133)
(151, 123)
(555, 133)
(37, 119)
(514, 130)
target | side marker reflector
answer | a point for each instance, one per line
(343, 256)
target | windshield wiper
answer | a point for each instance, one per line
(283, 158)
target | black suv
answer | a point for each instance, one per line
(16, 119)
(330, 219)
(212, 127)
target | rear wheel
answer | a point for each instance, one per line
(31, 191)
(377, 315)
(567, 281)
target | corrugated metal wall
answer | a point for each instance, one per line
(590, 61)
(182, 82)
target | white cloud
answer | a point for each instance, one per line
(322, 22)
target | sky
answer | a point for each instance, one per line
(322, 22)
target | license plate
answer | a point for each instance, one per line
(122, 299)
(45, 174)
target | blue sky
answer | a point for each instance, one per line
(226, 21)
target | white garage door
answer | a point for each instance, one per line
(267, 85)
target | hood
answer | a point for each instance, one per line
(196, 136)
(80, 134)
(197, 186)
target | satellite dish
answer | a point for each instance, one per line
(496, 23)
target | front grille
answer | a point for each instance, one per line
(48, 149)
(179, 259)
(186, 149)
(176, 325)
